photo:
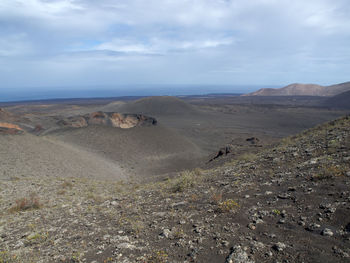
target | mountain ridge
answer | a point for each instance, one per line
(299, 89)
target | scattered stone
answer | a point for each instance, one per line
(179, 204)
(238, 255)
(269, 254)
(340, 252)
(327, 232)
(279, 246)
(281, 221)
(251, 226)
(259, 221)
(225, 243)
(126, 246)
(313, 227)
(167, 233)
(284, 196)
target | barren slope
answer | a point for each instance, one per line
(340, 101)
(29, 155)
(143, 151)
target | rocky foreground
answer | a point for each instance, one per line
(290, 203)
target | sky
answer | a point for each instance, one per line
(89, 43)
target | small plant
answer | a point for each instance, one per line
(109, 259)
(216, 198)
(36, 238)
(194, 197)
(227, 205)
(184, 181)
(328, 172)
(287, 140)
(6, 257)
(198, 171)
(179, 233)
(66, 185)
(247, 157)
(26, 203)
(76, 257)
(136, 226)
(158, 257)
(276, 211)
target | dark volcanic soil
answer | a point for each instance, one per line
(288, 203)
(187, 134)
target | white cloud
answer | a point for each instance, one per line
(162, 46)
(15, 45)
(232, 38)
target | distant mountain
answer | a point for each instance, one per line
(297, 89)
(340, 101)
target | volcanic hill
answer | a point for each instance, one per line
(297, 89)
(160, 105)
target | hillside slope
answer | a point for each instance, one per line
(160, 105)
(143, 151)
(27, 155)
(290, 203)
(340, 101)
(297, 89)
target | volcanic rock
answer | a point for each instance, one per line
(223, 151)
(9, 128)
(114, 119)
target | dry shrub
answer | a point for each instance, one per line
(66, 184)
(227, 206)
(26, 203)
(328, 172)
(7, 257)
(216, 198)
(158, 257)
(184, 181)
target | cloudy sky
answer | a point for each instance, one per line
(57, 43)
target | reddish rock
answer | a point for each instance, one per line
(10, 128)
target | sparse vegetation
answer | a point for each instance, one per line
(76, 257)
(247, 157)
(36, 238)
(328, 172)
(276, 211)
(216, 198)
(26, 203)
(7, 257)
(66, 185)
(227, 205)
(187, 179)
(158, 257)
